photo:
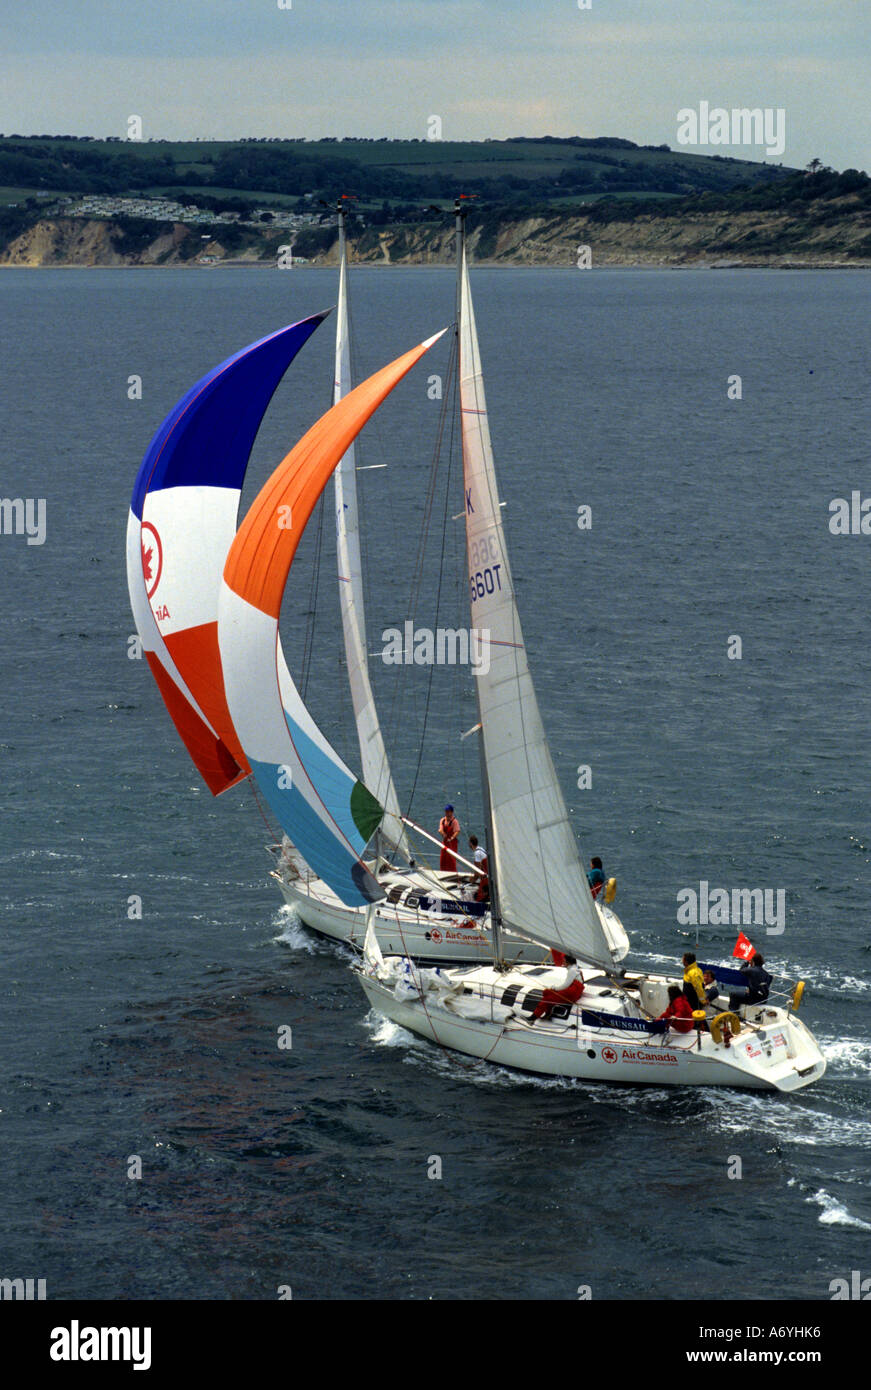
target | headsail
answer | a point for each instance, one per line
(543, 890)
(182, 520)
(373, 754)
(327, 813)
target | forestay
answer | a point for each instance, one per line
(542, 887)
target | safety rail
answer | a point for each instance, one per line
(574, 1024)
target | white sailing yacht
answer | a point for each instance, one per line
(182, 519)
(423, 913)
(613, 1031)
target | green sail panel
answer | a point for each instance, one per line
(366, 810)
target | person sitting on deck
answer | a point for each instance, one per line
(449, 829)
(693, 983)
(712, 989)
(758, 982)
(568, 991)
(596, 876)
(679, 1012)
(481, 876)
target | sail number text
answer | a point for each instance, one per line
(486, 565)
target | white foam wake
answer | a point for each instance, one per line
(834, 1213)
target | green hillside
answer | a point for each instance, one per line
(546, 171)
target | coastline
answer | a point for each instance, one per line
(710, 240)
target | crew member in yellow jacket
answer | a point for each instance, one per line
(693, 982)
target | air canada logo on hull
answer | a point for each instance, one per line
(609, 1054)
(152, 557)
(632, 1054)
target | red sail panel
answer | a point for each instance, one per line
(214, 760)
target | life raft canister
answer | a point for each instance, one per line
(731, 1022)
(610, 890)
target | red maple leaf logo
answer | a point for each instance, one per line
(146, 563)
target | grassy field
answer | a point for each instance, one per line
(11, 194)
(537, 163)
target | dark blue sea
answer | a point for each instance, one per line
(156, 1038)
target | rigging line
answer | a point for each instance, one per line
(255, 792)
(401, 687)
(399, 691)
(311, 618)
(448, 401)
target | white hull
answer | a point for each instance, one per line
(400, 932)
(774, 1050)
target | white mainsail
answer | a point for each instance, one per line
(376, 769)
(542, 888)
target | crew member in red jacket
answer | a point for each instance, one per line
(449, 829)
(569, 991)
(679, 1012)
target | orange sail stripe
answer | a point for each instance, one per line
(216, 764)
(196, 654)
(262, 553)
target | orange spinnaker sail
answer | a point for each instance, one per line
(266, 542)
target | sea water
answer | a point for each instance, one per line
(157, 1142)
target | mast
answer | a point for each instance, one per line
(376, 768)
(495, 915)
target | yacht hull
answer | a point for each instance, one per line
(401, 932)
(573, 1051)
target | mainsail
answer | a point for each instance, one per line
(182, 520)
(373, 754)
(328, 814)
(542, 888)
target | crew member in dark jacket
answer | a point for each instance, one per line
(758, 982)
(596, 876)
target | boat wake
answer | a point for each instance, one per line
(387, 1034)
(790, 1122)
(848, 1058)
(291, 932)
(834, 1213)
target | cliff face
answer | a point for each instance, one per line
(746, 238)
(839, 234)
(67, 241)
(78, 241)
